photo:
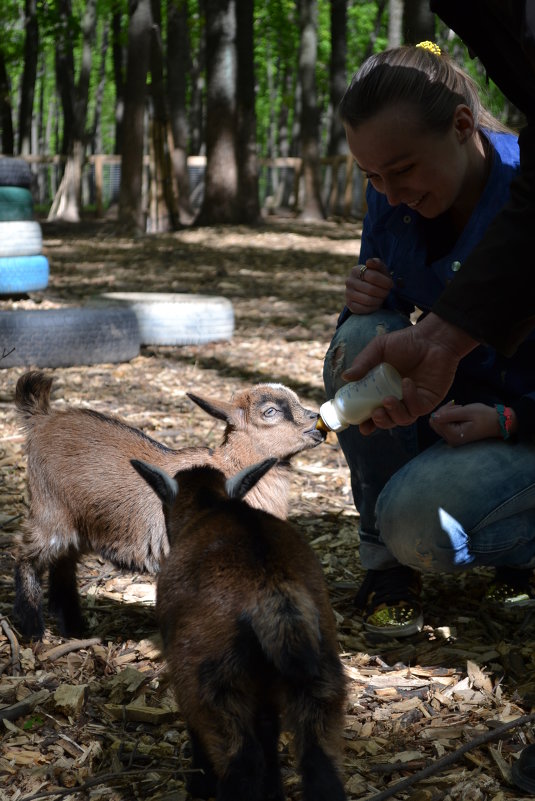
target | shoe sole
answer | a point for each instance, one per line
(414, 627)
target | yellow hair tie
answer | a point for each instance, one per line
(431, 46)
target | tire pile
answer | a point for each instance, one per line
(23, 268)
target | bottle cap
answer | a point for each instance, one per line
(330, 417)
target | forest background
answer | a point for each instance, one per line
(250, 87)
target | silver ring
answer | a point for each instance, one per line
(363, 269)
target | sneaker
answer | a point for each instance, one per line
(389, 601)
(511, 587)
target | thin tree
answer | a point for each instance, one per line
(395, 23)
(312, 208)
(67, 202)
(246, 116)
(29, 76)
(131, 212)
(418, 22)
(7, 139)
(220, 203)
(178, 68)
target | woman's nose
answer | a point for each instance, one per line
(393, 192)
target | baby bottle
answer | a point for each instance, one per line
(355, 402)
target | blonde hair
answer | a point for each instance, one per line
(420, 76)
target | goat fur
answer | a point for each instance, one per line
(249, 639)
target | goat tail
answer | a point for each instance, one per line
(286, 622)
(32, 393)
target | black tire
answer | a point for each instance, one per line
(20, 274)
(16, 203)
(168, 318)
(68, 337)
(15, 172)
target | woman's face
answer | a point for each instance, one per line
(429, 172)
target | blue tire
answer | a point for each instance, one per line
(23, 274)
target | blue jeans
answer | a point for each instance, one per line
(436, 508)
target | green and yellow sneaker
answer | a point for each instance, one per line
(389, 602)
(511, 587)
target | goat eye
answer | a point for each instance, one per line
(270, 412)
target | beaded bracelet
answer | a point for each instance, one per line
(505, 417)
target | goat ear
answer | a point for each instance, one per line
(165, 487)
(220, 409)
(239, 485)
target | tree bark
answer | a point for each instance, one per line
(308, 23)
(6, 116)
(246, 141)
(418, 22)
(395, 22)
(29, 76)
(118, 74)
(338, 75)
(221, 177)
(67, 202)
(131, 213)
(178, 67)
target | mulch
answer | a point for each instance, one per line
(96, 719)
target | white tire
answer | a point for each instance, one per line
(167, 318)
(20, 238)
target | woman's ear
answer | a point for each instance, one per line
(463, 123)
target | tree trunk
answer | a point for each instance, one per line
(6, 117)
(131, 214)
(395, 22)
(221, 178)
(246, 141)
(29, 75)
(118, 74)
(162, 188)
(312, 208)
(338, 77)
(178, 67)
(67, 202)
(418, 22)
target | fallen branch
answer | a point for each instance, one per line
(24, 707)
(102, 778)
(450, 759)
(66, 648)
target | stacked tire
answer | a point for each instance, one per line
(23, 267)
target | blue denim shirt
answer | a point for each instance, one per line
(400, 237)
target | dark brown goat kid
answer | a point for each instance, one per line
(249, 638)
(85, 496)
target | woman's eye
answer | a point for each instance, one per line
(404, 169)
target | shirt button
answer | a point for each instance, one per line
(407, 218)
(456, 266)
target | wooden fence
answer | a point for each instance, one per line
(280, 182)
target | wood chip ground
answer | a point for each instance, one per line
(95, 719)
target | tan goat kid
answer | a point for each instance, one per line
(85, 496)
(249, 638)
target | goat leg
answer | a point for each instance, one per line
(63, 599)
(28, 607)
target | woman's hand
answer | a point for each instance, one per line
(458, 425)
(367, 286)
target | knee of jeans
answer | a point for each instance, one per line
(352, 336)
(411, 536)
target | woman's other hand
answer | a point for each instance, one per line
(458, 425)
(367, 286)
